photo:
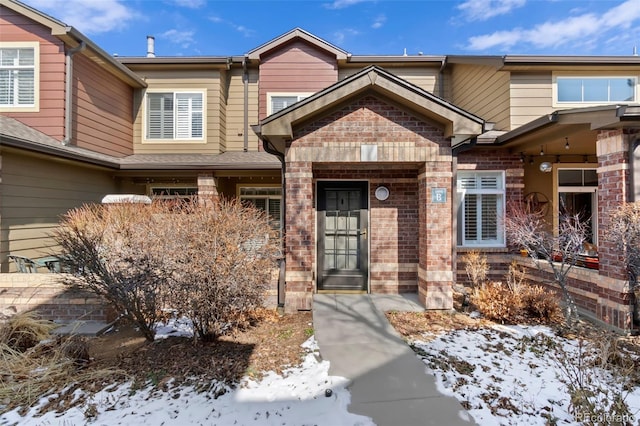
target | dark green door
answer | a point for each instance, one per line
(343, 260)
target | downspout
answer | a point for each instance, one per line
(245, 79)
(268, 147)
(441, 74)
(68, 92)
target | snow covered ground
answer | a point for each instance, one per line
(502, 375)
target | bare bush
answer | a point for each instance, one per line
(496, 302)
(120, 253)
(476, 267)
(624, 233)
(223, 262)
(210, 262)
(559, 249)
(516, 300)
(599, 376)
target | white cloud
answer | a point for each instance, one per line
(90, 17)
(581, 30)
(183, 38)
(246, 32)
(191, 4)
(379, 22)
(481, 10)
(341, 4)
(340, 36)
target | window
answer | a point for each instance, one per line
(481, 208)
(178, 115)
(267, 199)
(18, 76)
(174, 192)
(596, 89)
(280, 101)
(577, 195)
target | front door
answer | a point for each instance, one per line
(343, 260)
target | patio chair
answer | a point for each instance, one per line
(24, 264)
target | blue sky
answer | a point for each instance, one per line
(361, 27)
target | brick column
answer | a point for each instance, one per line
(435, 258)
(612, 148)
(300, 236)
(207, 189)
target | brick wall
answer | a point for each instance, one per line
(51, 299)
(331, 148)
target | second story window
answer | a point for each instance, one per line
(596, 89)
(280, 101)
(175, 115)
(17, 77)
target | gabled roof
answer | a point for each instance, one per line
(73, 38)
(459, 125)
(297, 33)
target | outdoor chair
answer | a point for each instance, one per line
(24, 264)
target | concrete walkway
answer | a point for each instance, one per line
(388, 381)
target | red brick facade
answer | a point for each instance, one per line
(410, 238)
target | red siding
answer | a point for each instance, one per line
(103, 110)
(296, 67)
(50, 118)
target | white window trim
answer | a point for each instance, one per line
(501, 214)
(558, 189)
(270, 95)
(36, 75)
(201, 140)
(594, 75)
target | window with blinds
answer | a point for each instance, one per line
(17, 77)
(481, 208)
(268, 199)
(177, 115)
(280, 102)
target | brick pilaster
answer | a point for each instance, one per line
(435, 263)
(207, 189)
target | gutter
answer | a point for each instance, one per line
(245, 78)
(68, 92)
(268, 147)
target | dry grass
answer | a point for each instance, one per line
(24, 330)
(33, 364)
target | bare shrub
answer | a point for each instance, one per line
(476, 267)
(120, 253)
(559, 249)
(496, 302)
(228, 261)
(516, 300)
(599, 377)
(540, 304)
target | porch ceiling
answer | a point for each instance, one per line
(579, 125)
(459, 125)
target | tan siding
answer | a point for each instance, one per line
(297, 67)
(103, 111)
(50, 118)
(483, 91)
(235, 111)
(531, 97)
(35, 192)
(425, 78)
(196, 80)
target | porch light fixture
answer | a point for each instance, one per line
(546, 167)
(566, 144)
(382, 193)
(541, 150)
